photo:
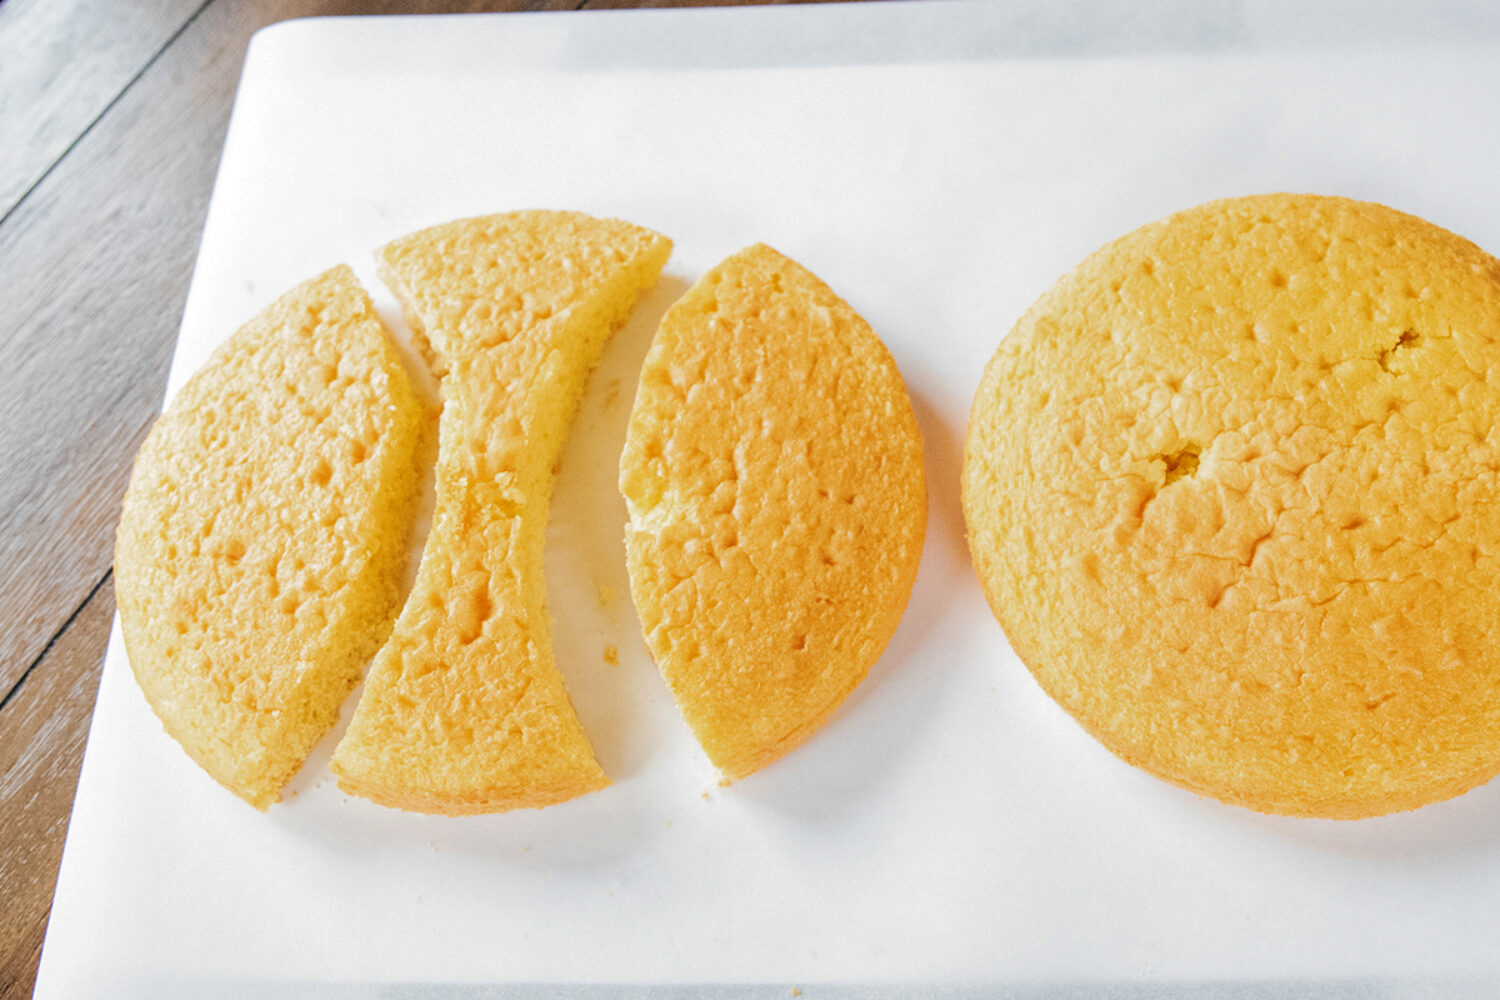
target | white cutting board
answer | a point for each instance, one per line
(939, 165)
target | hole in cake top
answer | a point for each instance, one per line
(1408, 339)
(1180, 463)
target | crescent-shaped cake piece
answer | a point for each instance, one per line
(773, 474)
(264, 533)
(464, 710)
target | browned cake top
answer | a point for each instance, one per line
(773, 470)
(265, 531)
(1231, 490)
(464, 709)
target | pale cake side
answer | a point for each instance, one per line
(1233, 492)
(773, 473)
(264, 533)
(464, 710)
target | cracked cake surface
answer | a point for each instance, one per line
(1231, 491)
(260, 550)
(773, 472)
(464, 709)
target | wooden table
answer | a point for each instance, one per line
(112, 115)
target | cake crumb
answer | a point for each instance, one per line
(612, 655)
(606, 596)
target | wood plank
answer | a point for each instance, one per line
(635, 4)
(94, 268)
(42, 732)
(61, 63)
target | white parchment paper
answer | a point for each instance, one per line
(939, 165)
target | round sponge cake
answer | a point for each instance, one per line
(1233, 491)
(773, 471)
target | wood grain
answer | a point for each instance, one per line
(41, 746)
(94, 265)
(638, 4)
(61, 64)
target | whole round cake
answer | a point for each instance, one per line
(1233, 491)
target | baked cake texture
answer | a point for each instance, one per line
(773, 474)
(264, 533)
(1233, 491)
(464, 710)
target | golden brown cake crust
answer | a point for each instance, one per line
(1231, 489)
(464, 710)
(773, 470)
(259, 555)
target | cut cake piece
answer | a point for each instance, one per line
(773, 472)
(259, 554)
(464, 710)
